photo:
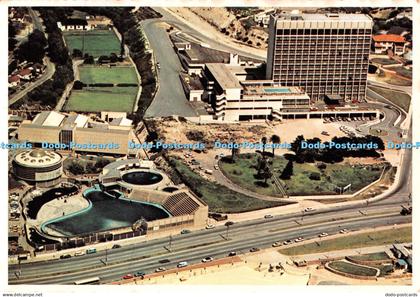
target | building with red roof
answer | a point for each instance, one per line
(385, 42)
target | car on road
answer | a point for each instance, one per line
(216, 167)
(139, 274)
(185, 231)
(254, 249)
(210, 226)
(231, 254)
(342, 231)
(160, 269)
(182, 264)
(79, 253)
(287, 242)
(164, 261)
(268, 216)
(299, 239)
(323, 234)
(116, 246)
(128, 276)
(276, 244)
(308, 209)
(158, 65)
(66, 256)
(207, 259)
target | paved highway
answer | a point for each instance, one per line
(197, 245)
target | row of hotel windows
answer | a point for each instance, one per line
(321, 39)
(306, 82)
(323, 31)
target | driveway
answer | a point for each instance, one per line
(170, 98)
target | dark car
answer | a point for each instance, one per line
(185, 231)
(164, 261)
(116, 246)
(231, 254)
(139, 274)
(66, 256)
(254, 250)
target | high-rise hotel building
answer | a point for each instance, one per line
(325, 54)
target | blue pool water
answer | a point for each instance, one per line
(106, 212)
(277, 90)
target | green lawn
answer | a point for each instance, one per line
(102, 99)
(399, 235)
(243, 173)
(352, 268)
(104, 74)
(95, 42)
(370, 257)
(401, 99)
(218, 197)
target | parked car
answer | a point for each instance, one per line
(216, 167)
(210, 226)
(128, 276)
(268, 216)
(342, 231)
(308, 209)
(231, 254)
(164, 261)
(323, 234)
(299, 239)
(185, 231)
(207, 259)
(139, 274)
(79, 253)
(160, 269)
(276, 244)
(254, 249)
(287, 242)
(65, 256)
(116, 246)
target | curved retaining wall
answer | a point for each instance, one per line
(327, 266)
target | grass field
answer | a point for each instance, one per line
(95, 42)
(102, 99)
(103, 74)
(243, 173)
(401, 99)
(352, 268)
(353, 242)
(370, 257)
(218, 197)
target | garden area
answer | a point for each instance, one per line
(94, 42)
(218, 197)
(316, 178)
(353, 269)
(401, 99)
(109, 75)
(98, 99)
(397, 235)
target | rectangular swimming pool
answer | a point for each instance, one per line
(277, 90)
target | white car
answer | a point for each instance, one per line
(268, 216)
(160, 269)
(308, 209)
(323, 234)
(342, 231)
(299, 239)
(287, 242)
(79, 253)
(207, 259)
(216, 167)
(276, 244)
(210, 227)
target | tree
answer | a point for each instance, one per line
(76, 168)
(78, 85)
(77, 53)
(275, 139)
(33, 50)
(122, 50)
(234, 151)
(88, 60)
(266, 174)
(261, 165)
(264, 141)
(287, 171)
